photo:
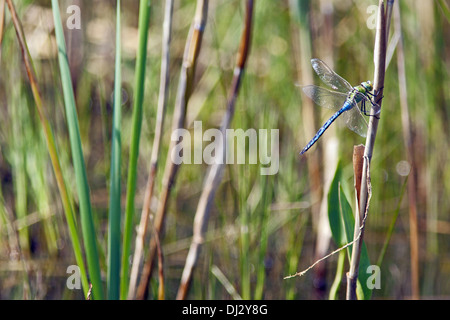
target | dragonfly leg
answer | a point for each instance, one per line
(376, 116)
(381, 98)
(372, 96)
(363, 108)
(378, 91)
(364, 111)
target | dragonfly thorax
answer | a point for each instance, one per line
(365, 87)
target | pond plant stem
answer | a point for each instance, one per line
(214, 175)
(380, 61)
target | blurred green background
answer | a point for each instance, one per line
(283, 210)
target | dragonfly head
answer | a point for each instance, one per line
(367, 85)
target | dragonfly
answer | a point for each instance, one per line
(347, 100)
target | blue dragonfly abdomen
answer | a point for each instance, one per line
(347, 106)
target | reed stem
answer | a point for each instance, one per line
(380, 60)
(185, 87)
(115, 189)
(51, 146)
(87, 223)
(162, 102)
(144, 19)
(409, 144)
(214, 175)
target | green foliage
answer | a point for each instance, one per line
(276, 210)
(87, 223)
(144, 18)
(342, 224)
(114, 232)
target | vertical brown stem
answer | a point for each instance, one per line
(162, 102)
(380, 63)
(330, 154)
(409, 143)
(301, 39)
(214, 175)
(352, 275)
(185, 86)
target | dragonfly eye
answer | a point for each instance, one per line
(367, 85)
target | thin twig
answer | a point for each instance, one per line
(161, 289)
(185, 86)
(359, 234)
(301, 273)
(162, 102)
(214, 175)
(89, 293)
(380, 62)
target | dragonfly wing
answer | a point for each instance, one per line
(329, 77)
(355, 121)
(325, 98)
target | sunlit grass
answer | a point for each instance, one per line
(262, 228)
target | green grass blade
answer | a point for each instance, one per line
(18, 164)
(264, 236)
(144, 18)
(337, 229)
(52, 150)
(333, 295)
(114, 191)
(342, 224)
(87, 223)
(334, 214)
(445, 9)
(244, 221)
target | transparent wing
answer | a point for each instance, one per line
(334, 100)
(329, 77)
(325, 98)
(354, 120)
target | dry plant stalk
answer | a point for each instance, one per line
(214, 175)
(303, 52)
(89, 294)
(161, 290)
(380, 66)
(185, 86)
(330, 155)
(162, 102)
(51, 145)
(358, 165)
(358, 156)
